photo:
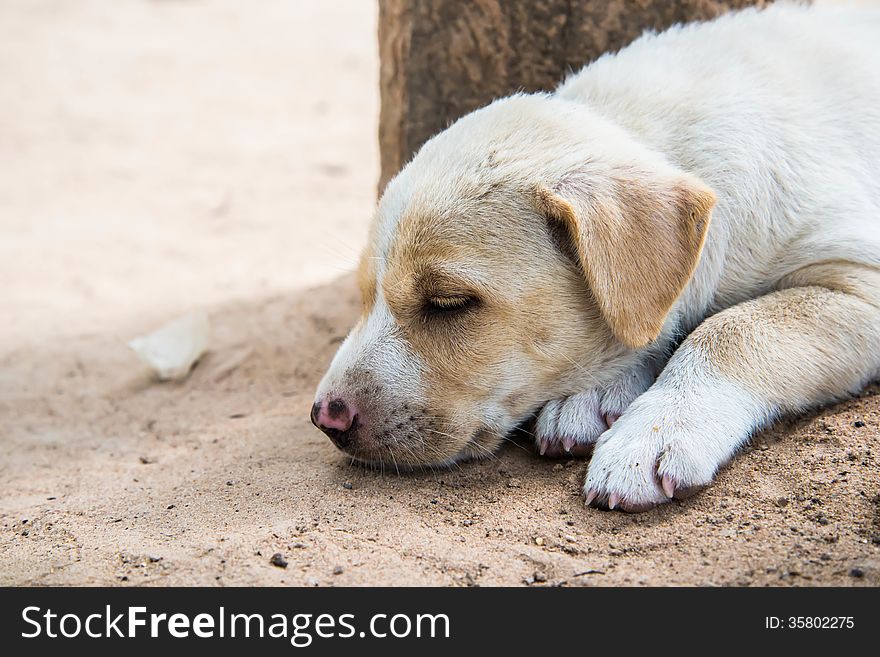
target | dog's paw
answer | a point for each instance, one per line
(571, 426)
(623, 391)
(656, 452)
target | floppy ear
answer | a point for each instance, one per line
(637, 242)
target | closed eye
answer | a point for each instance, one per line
(449, 304)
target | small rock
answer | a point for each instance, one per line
(230, 482)
(338, 570)
(539, 541)
(147, 460)
(858, 573)
(782, 501)
(311, 581)
(346, 485)
(539, 576)
(278, 560)
(514, 483)
(858, 424)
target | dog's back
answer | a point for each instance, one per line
(736, 101)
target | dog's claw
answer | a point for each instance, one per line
(613, 501)
(568, 443)
(542, 445)
(592, 494)
(668, 486)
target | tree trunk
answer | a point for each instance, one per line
(441, 59)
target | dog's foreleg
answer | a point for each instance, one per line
(815, 340)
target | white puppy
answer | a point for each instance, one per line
(703, 206)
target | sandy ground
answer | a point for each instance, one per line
(164, 156)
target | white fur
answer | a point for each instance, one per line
(778, 113)
(685, 427)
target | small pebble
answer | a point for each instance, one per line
(539, 576)
(539, 541)
(278, 560)
(782, 501)
(514, 483)
(346, 485)
(858, 424)
(338, 570)
(858, 573)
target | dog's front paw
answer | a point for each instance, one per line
(654, 453)
(571, 426)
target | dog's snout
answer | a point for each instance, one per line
(337, 419)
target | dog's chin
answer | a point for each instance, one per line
(482, 444)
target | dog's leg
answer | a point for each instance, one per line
(570, 426)
(816, 340)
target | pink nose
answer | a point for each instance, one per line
(336, 415)
(337, 419)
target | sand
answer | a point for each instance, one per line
(168, 156)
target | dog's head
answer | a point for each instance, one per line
(523, 255)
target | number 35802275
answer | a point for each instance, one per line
(809, 623)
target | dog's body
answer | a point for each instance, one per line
(710, 194)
